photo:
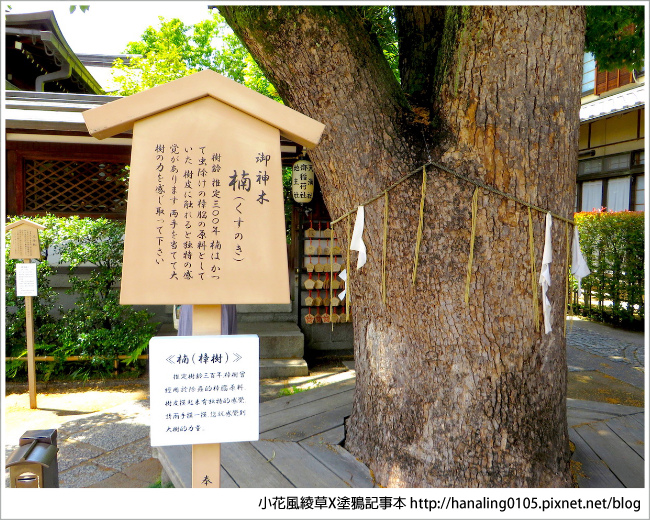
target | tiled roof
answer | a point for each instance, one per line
(610, 105)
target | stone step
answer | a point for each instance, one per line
(265, 313)
(274, 368)
(278, 340)
(282, 346)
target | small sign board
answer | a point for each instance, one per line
(26, 281)
(24, 239)
(204, 389)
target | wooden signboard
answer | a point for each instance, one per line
(205, 211)
(25, 245)
(205, 214)
(24, 239)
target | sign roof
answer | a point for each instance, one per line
(23, 222)
(120, 115)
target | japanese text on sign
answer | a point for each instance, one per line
(190, 227)
(24, 243)
(26, 280)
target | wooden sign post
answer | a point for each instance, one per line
(206, 458)
(205, 214)
(25, 246)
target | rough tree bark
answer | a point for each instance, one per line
(448, 393)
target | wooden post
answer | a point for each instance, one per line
(31, 362)
(24, 246)
(206, 458)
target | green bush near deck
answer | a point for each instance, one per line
(97, 326)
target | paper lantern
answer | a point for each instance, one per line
(302, 181)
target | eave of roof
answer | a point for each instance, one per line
(44, 25)
(58, 117)
(618, 103)
(49, 111)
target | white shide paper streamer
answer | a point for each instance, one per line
(579, 267)
(545, 274)
(356, 243)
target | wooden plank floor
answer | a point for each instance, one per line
(610, 444)
(300, 437)
(298, 446)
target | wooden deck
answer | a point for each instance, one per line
(300, 439)
(610, 444)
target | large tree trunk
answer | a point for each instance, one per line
(448, 393)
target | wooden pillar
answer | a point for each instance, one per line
(206, 458)
(31, 362)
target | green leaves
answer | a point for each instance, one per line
(174, 50)
(82, 8)
(96, 325)
(615, 35)
(613, 246)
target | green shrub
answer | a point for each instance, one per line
(97, 326)
(613, 246)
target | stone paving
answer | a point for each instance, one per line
(617, 350)
(619, 346)
(106, 449)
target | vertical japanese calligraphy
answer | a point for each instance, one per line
(205, 215)
(24, 243)
(188, 211)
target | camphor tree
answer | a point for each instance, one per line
(448, 393)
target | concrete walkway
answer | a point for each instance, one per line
(111, 448)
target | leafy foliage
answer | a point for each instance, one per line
(380, 22)
(175, 50)
(82, 8)
(97, 326)
(613, 246)
(615, 35)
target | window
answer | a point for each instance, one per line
(590, 166)
(592, 195)
(610, 80)
(75, 187)
(617, 162)
(66, 179)
(638, 158)
(596, 81)
(639, 193)
(615, 194)
(618, 194)
(588, 74)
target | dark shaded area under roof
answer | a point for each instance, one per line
(38, 58)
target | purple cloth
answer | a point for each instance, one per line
(228, 320)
